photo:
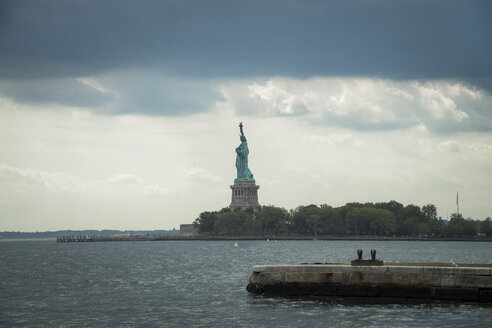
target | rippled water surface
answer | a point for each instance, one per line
(202, 284)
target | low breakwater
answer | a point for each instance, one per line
(80, 239)
(433, 281)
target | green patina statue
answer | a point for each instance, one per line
(243, 172)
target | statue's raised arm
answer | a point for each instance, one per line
(241, 128)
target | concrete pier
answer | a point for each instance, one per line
(418, 281)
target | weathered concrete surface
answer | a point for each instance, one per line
(407, 281)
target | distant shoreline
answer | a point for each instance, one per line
(272, 238)
(169, 235)
(86, 232)
(364, 238)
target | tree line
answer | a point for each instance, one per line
(355, 219)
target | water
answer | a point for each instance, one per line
(202, 284)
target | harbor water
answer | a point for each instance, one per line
(203, 284)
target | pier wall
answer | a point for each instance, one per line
(80, 239)
(423, 282)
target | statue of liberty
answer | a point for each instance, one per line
(242, 152)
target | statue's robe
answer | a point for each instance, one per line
(243, 172)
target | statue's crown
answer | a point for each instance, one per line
(242, 137)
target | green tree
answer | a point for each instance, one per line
(206, 222)
(411, 212)
(370, 220)
(486, 227)
(429, 211)
(458, 226)
(357, 221)
(234, 223)
(384, 222)
(343, 211)
(423, 229)
(271, 220)
(392, 206)
(408, 228)
(298, 220)
(305, 219)
(469, 228)
(330, 221)
(313, 219)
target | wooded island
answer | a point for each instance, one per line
(353, 219)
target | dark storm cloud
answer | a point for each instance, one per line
(156, 94)
(63, 91)
(392, 39)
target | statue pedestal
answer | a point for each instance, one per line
(244, 195)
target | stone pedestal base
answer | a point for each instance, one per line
(244, 195)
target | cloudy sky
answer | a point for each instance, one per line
(124, 114)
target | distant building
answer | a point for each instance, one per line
(188, 229)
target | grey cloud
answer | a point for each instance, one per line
(16, 180)
(134, 91)
(155, 94)
(25, 181)
(124, 179)
(442, 106)
(398, 40)
(10, 174)
(477, 120)
(450, 146)
(64, 91)
(469, 109)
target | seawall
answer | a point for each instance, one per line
(429, 281)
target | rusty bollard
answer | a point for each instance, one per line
(373, 254)
(359, 254)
